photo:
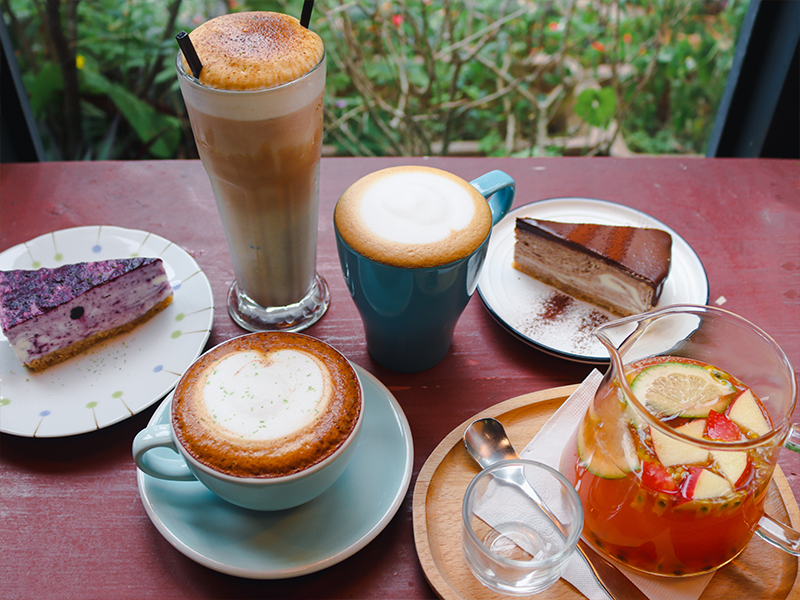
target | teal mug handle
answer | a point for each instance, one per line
(160, 467)
(498, 188)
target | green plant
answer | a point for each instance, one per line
(494, 77)
(95, 73)
(526, 78)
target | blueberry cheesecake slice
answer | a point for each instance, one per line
(50, 315)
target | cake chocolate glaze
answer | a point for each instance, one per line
(621, 269)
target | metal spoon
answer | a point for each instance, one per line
(487, 442)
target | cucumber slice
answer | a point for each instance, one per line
(674, 389)
(622, 459)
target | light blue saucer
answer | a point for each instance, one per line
(306, 539)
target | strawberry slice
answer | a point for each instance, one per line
(720, 427)
(656, 477)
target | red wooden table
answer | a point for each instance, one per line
(72, 523)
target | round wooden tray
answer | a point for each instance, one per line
(761, 571)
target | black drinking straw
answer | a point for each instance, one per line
(305, 17)
(189, 52)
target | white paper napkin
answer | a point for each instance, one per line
(546, 448)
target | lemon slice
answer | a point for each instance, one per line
(674, 389)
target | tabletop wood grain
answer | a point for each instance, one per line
(72, 524)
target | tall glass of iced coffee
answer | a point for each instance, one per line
(256, 113)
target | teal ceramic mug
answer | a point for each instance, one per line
(412, 241)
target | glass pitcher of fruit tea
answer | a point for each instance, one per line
(675, 453)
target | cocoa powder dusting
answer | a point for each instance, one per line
(593, 320)
(561, 322)
(555, 306)
(618, 243)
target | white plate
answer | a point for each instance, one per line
(546, 319)
(119, 377)
(297, 541)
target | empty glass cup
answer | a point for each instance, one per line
(511, 544)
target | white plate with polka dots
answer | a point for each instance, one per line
(117, 378)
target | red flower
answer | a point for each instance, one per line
(598, 46)
(397, 20)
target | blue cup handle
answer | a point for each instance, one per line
(160, 467)
(498, 188)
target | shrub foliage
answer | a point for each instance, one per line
(405, 77)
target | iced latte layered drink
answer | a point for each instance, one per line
(256, 113)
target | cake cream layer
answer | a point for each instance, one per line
(268, 407)
(621, 269)
(47, 311)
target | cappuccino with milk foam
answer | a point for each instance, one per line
(413, 217)
(266, 405)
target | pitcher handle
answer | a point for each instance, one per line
(775, 532)
(792, 441)
(498, 188)
(778, 534)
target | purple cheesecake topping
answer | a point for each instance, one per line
(27, 294)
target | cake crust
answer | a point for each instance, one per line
(40, 364)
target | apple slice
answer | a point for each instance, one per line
(703, 484)
(656, 477)
(746, 413)
(720, 427)
(672, 452)
(732, 464)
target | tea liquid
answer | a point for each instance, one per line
(667, 507)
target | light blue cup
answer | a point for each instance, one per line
(409, 314)
(265, 494)
(158, 452)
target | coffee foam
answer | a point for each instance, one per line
(413, 217)
(247, 56)
(266, 405)
(266, 397)
(254, 50)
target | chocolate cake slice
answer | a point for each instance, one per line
(49, 315)
(620, 269)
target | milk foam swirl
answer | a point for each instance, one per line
(416, 208)
(261, 396)
(413, 217)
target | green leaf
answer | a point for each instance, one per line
(596, 107)
(163, 132)
(44, 88)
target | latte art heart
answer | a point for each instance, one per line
(267, 405)
(265, 397)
